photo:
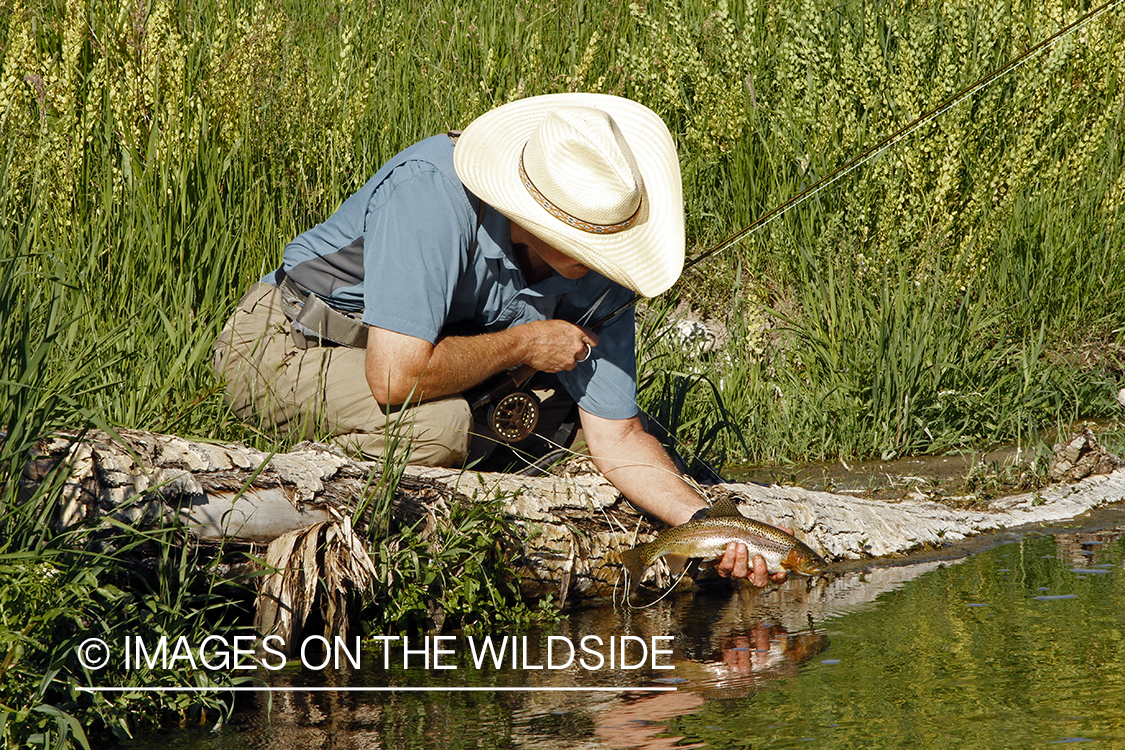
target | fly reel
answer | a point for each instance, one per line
(514, 416)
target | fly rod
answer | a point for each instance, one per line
(891, 140)
(513, 413)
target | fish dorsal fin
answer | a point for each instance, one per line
(724, 507)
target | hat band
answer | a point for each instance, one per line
(574, 221)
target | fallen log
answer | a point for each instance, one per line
(566, 528)
(235, 494)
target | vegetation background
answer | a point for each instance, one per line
(966, 287)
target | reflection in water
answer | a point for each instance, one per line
(981, 653)
(744, 662)
(1022, 646)
(640, 723)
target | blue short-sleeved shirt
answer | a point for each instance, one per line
(416, 253)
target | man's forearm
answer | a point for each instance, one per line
(640, 468)
(462, 362)
(401, 367)
(400, 371)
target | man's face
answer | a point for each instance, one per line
(562, 263)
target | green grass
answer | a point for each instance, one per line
(213, 133)
(965, 288)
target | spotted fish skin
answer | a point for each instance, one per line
(707, 538)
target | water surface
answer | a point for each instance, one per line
(1018, 646)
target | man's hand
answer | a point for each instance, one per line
(555, 345)
(736, 563)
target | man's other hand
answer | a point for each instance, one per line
(736, 563)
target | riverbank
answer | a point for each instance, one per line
(1010, 645)
(561, 532)
(564, 526)
(160, 536)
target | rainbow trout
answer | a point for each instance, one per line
(707, 538)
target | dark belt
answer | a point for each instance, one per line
(315, 322)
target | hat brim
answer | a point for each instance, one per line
(648, 256)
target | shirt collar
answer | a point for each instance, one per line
(495, 227)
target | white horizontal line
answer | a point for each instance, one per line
(291, 689)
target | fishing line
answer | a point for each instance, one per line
(891, 140)
(851, 166)
(657, 600)
(871, 153)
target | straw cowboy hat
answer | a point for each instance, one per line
(593, 175)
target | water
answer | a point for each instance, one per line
(1017, 646)
(957, 478)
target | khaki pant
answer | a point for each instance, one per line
(321, 393)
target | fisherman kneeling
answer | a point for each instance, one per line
(462, 258)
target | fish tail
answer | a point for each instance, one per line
(634, 564)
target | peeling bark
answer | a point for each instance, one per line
(567, 527)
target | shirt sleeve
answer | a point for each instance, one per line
(416, 231)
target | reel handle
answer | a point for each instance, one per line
(510, 380)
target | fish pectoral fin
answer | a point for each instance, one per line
(634, 566)
(676, 563)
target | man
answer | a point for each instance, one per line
(544, 212)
